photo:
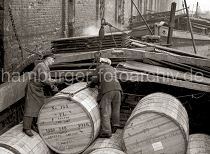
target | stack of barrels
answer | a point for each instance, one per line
(69, 123)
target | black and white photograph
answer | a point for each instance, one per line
(104, 77)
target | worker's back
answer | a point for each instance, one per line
(107, 79)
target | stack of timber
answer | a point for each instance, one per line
(158, 124)
(192, 70)
(14, 141)
(113, 143)
(199, 144)
(151, 18)
(70, 121)
(88, 43)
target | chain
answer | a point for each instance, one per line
(123, 12)
(102, 9)
(112, 36)
(15, 31)
(40, 55)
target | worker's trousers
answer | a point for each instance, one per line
(110, 111)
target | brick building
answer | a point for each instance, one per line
(37, 22)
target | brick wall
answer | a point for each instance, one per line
(37, 23)
(40, 21)
(85, 15)
(1, 35)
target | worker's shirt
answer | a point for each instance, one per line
(106, 79)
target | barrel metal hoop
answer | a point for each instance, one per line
(8, 147)
(186, 138)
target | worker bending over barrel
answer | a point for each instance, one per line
(109, 97)
(35, 98)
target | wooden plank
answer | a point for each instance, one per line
(170, 50)
(133, 76)
(136, 54)
(76, 65)
(183, 67)
(12, 91)
(90, 37)
(166, 72)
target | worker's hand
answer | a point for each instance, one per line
(54, 88)
(61, 80)
(90, 85)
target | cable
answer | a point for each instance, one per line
(112, 36)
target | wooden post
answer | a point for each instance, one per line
(71, 16)
(1, 39)
(131, 22)
(97, 9)
(172, 22)
(63, 16)
(190, 26)
(116, 11)
(196, 12)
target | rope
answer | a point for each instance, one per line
(102, 9)
(15, 30)
(112, 36)
(18, 39)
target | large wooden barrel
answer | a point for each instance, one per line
(158, 124)
(14, 141)
(68, 124)
(107, 151)
(115, 142)
(199, 144)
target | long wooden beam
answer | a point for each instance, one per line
(166, 72)
(135, 54)
(134, 76)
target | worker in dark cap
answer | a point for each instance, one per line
(35, 98)
(109, 97)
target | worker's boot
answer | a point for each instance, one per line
(27, 122)
(34, 125)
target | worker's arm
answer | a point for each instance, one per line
(94, 79)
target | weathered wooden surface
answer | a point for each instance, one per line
(15, 140)
(199, 144)
(134, 76)
(166, 72)
(69, 124)
(135, 54)
(158, 124)
(88, 43)
(115, 142)
(12, 91)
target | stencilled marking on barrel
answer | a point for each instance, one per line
(157, 146)
(84, 125)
